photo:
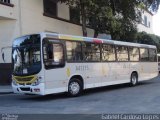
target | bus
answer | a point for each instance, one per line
(48, 63)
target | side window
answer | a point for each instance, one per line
(53, 55)
(108, 53)
(152, 55)
(144, 54)
(134, 54)
(91, 52)
(122, 53)
(74, 51)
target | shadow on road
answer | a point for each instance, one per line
(85, 93)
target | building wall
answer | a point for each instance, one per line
(9, 26)
(148, 27)
(33, 22)
(9, 12)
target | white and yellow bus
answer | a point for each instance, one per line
(48, 63)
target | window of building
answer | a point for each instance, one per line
(134, 54)
(50, 7)
(122, 53)
(149, 24)
(74, 51)
(74, 15)
(91, 52)
(5, 1)
(144, 54)
(145, 21)
(108, 53)
(152, 55)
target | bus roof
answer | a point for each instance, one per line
(94, 40)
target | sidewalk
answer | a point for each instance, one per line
(6, 89)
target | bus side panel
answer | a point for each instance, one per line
(147, 70)
(55, 80)
(154, 70)
(90, 72)
(115, 73)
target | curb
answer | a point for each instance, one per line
(3, 93)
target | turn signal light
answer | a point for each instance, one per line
(36, 89)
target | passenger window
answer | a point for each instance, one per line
(152, 55)
(144, 54)
(134, 54)
(108, 53)
(122, 53)
(74, 51)
(91, 52)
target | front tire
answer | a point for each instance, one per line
(75, 87)
(134, 79)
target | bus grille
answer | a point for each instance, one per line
(25, 89)
(27, 79)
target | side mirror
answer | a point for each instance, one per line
(6, 51)
(3, 57)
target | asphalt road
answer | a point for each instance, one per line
(144, 98)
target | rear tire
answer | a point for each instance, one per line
(75, 87)
(134, 79)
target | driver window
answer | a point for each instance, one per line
(53, 55)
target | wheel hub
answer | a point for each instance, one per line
(74, 87)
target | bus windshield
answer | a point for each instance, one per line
(26, 56)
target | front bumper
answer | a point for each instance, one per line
(28, 89)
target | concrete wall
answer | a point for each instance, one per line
(9, 26)
(7, 12)
(33, 22)
(141, 27)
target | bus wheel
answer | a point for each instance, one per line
(134, 79)
(75, 87)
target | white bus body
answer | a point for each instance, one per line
(56, 65)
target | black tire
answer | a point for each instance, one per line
(134, 79)
(75, 87)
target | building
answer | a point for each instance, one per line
(20, 17)
(146, 22)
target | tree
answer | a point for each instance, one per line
(117, 17)
(152, 5)
(111, 16)
(81, 5)
(155, 6)
(150, 39)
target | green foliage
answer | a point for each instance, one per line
(150, 39)
(116, 17)
(128, 30)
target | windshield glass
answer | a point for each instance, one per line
(26, 55)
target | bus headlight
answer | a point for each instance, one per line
(37, 82)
